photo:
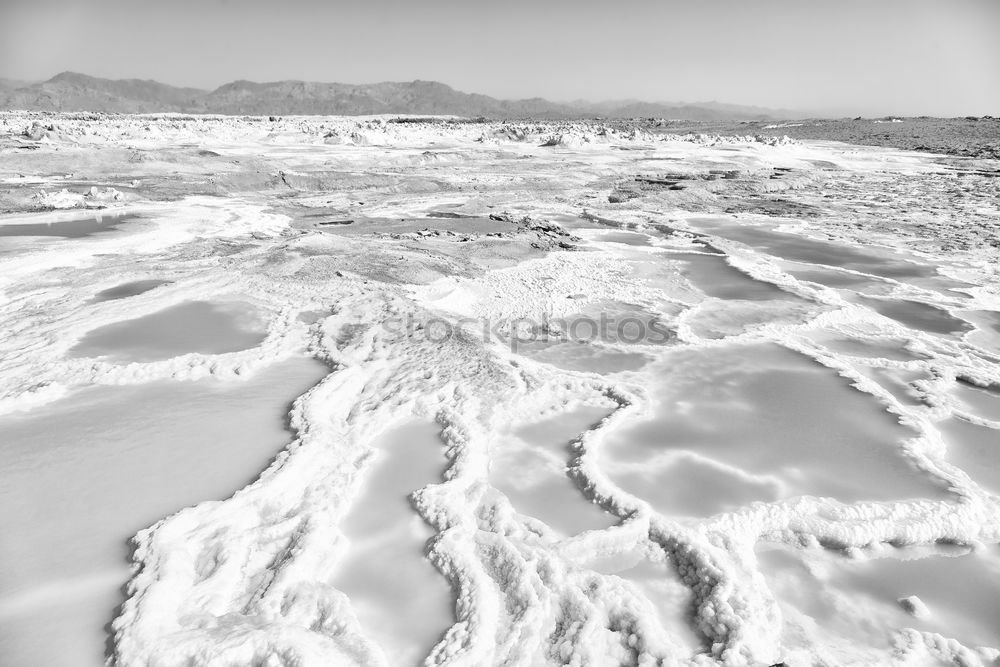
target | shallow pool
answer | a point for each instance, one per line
(582, 356)
(802, 249)
(84, 474)
(869, 348)
(529, 467)
(983, 402)
(758, 422)
(626, 238)
(70, 229)
(835, 278)
(975, 449)
(125, 290)
(403, 603)
(206, 327)
(960, 590)
(917, 315)
(714, 276)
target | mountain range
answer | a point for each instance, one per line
(71, 91)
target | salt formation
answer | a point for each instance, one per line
(392, 253)
(914, 606)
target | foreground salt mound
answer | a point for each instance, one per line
(256, 579)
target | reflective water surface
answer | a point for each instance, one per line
(802, 249)
(834, 278)
(981, 401)
(714, 276)
(627, 238)
(84, 474)
(70, 229)
(125, 290)
(530, 469)
(874, 348)
(975, 449)
(757, 422)
(402, 602)
(578, 356)
(206, 327)
(859, 599)
(917, 315)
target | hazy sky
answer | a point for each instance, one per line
(869, 57)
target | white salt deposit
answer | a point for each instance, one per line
(765, 483)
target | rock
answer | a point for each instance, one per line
(108, 195)
(36, 132)
(619, 196)
(58, 200)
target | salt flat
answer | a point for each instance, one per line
(511, 394)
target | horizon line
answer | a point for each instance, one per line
(799, 114)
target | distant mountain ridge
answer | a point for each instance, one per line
(70, 91)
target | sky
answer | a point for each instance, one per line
(845, 57)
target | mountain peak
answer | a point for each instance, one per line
(72, 77)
